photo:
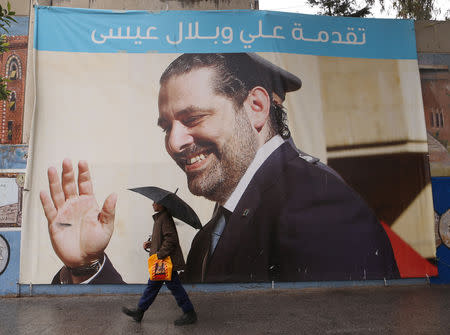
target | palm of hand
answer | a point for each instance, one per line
(77, 233)
(78, 229)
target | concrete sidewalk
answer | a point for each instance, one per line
(361, 310)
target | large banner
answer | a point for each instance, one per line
(238, 112)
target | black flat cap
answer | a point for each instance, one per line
(254, 68)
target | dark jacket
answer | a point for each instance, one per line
(295, 222)
(165, 240)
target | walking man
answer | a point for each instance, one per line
(165, 243)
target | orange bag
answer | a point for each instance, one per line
(160, 269)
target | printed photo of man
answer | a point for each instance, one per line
(280, 214)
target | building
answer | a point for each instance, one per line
(436, 100)
(13, 65)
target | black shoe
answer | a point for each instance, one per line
(186, 319)
(137, 314)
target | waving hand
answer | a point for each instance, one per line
(79, 230)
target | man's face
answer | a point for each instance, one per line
(157, 207)
(205, 135)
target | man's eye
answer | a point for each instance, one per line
(193, 120)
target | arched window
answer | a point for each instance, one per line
(13, 68)
(12, 102)
(432, 119)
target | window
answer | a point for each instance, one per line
(13, 68)
(12, 102)
(437, 118)
(10, 130)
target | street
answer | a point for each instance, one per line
(419, 309)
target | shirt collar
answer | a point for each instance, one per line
(261, 155)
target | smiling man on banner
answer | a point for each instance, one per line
(280, 215)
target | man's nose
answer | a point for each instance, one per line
(179, 138)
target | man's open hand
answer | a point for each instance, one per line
(79, 230)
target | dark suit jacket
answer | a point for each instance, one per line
(295, 221)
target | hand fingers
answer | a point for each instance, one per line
(49, 209)
(55, 188)
(68, 179)
(106, 216)
(84, 179)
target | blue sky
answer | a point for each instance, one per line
(20, 28)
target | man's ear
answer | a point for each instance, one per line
(258, 107)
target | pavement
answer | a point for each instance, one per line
(418, 309)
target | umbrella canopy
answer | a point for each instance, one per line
(174, 204)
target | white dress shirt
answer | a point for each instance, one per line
(261, 155)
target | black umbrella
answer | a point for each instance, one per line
(174, 204)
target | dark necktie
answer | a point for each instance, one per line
(199, 255)
(217, 226)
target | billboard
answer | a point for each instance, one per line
(239, 111)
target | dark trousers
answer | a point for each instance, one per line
(174, 285)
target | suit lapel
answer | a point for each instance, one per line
(242, 219)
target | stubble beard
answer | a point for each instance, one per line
(229, 163)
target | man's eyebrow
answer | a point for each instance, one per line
(161, 122)
(189, 110)
(184, 112)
